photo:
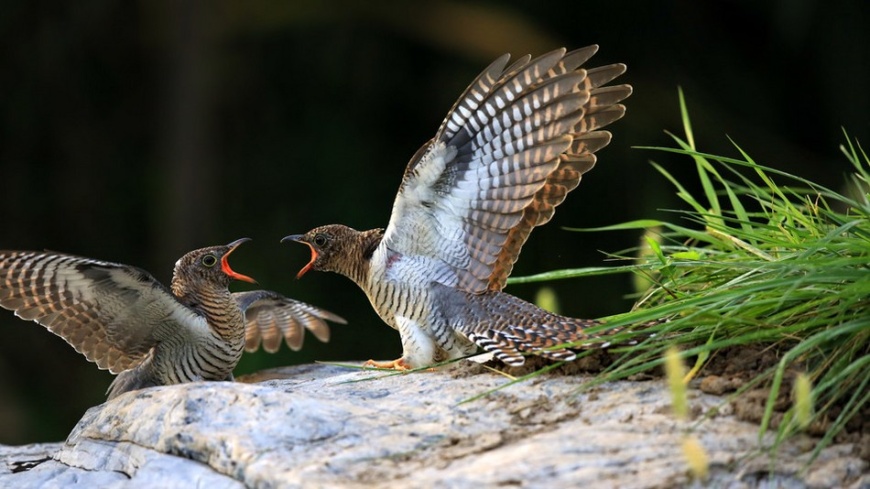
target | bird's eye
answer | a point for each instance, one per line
(320, 240)
(209, 260)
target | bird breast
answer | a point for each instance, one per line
(401, 284)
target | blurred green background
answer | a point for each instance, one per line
(137, 131)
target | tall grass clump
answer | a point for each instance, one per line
(760, 257)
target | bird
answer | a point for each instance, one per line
(511, 148)
(121, 318)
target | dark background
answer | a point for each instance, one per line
(137, 131)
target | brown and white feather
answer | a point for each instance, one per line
(509, 151)
(270, 318)
(102, 309)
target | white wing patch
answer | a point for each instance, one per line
(423, 219)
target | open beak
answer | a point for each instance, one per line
(299, 239)
(225, 265)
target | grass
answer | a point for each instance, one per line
(761, 257)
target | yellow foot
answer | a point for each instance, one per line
(399, 365)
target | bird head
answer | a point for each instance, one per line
(330, 245)
(209, 265)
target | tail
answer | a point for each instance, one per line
(510, 327)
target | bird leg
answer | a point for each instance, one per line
(398, 364)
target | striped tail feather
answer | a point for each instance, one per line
(509, 327)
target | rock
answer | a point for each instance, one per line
(326, 426)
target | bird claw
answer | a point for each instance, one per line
(398, 364)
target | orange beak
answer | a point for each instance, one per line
(298, 238)
(225, 265)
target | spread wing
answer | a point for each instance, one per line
(270, 316)
(508, 152)
(110, 313)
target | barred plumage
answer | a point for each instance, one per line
(122, 319)
(272, 317)
(510, 150)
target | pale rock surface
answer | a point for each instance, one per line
(325, 426)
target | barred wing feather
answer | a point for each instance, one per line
(113, 314)
(508, 152)
(271, 317)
